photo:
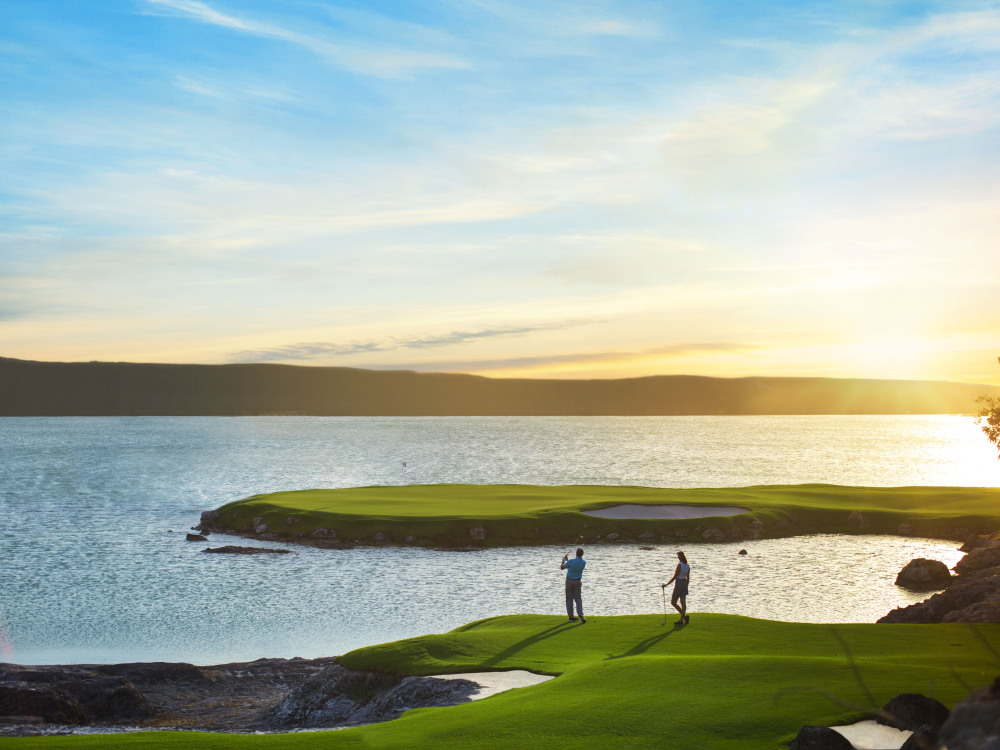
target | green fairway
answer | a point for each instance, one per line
(529, 514)
(723, 682)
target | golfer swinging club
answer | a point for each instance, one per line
(574, 575)
(682, 575)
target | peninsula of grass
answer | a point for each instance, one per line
(721, 683)
(447, 514)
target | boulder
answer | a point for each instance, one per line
(974, 724)
(382, 538)
(612, 536)
(921, 573)
(196, 538)
(733, 533)
(260, 529)
(292, 520)
(680, 534)
(323, 533)
(858, 521)
(741, 552)
(782, 526)
(757, 526)
(921, 739)
(794, 521)
(913, 711)
(647, 536)
(477, 533)
(974, 541)
(979, 559)
(408, 539)
(271, 536)
(905, 529)
(820, 738)
(714, 535)
(258, 521)
(209, 517)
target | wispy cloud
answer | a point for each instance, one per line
(380, 61)
(451, 338)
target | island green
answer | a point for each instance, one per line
(445, 514)
(722, 683)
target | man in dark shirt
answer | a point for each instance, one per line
(574, 583)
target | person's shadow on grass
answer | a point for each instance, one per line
(523, 644)
(644, 646)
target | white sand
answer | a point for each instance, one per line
(665, 511)
(491, 683)
(870, 735)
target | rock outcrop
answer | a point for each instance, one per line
(713, 535)
(905, 529)
(974, 724)
(69, 696)
(196, 538)
(478, 534)
(921, 573)
(974, 541)
(916, 713)
(341, 697)
(978, 559)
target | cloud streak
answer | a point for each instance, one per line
(378, 61)
(319, 349)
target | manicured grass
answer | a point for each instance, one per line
(724, 682)
(528, 514)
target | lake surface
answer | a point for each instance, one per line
(94, 566)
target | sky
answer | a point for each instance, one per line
(540, 189)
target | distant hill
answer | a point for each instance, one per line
(125, 389)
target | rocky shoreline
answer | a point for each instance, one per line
(267, 695)
(631, 531)
(971, 596)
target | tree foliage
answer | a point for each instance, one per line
(990, 414)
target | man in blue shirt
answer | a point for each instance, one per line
(574, 575)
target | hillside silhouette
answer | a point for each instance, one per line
(123, 389)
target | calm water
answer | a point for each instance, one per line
(89, 570)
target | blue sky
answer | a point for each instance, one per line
(545, 189)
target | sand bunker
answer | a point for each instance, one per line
(491, 683)
(870, 735)
(665, 511)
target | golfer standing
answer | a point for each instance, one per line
(682, 576)
(574, 583)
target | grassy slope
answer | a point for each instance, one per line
(529, 514)
(723, 682)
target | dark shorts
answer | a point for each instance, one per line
(681, 587)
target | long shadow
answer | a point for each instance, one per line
(529, 641)
(644, 646)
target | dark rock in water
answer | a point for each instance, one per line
(741, 552)
(921, 573)
(341, 697)
(858, 521)
(905, 529)
(968, 599)
(232, 550)
(196, 538)
(974, 724)
(820, 738)
(982, 557)
(913, 711)
(974, 541)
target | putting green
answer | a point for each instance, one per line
(724, 682)
(529, 514)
